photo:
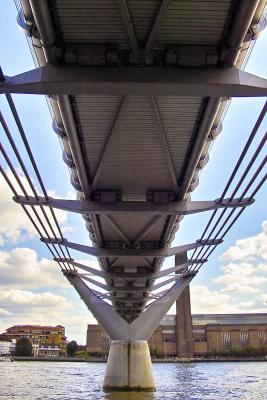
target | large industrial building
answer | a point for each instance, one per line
(210, 333)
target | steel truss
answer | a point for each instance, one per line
(131, 81)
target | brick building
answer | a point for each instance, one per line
(210, 333)
(47, 341)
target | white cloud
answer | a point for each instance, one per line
(24, 275)
(246, 271)
(262, 267)
(28, 307)
(19, 300)
(22, 301)
(21, 268)
(15, 226)
(4, 312)
(205, 300)
(19, 307)
(248, 249)
(240, 278)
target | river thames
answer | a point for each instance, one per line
(80, 381)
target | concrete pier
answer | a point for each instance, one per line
(129, 367)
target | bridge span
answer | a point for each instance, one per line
(138, 90)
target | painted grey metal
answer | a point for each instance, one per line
(130, 289)
(147, 228)
(179, 268)
(205, 128)
(134, 275)
(127, 207)
(133, 81)
(98, 22)
(93, 271)
(118, 229)
(116, 326)
(166, 282)
(128, 24)
(94, 282)
(164, 144)
(145, 324)
(156, 25)
(220, 25)
(114, 130)
(72, 135)
(102, 252)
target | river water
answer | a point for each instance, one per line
(82, 381)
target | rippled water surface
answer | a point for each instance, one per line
(81, 381)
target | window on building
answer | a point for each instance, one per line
(244, 338)
(169, 340)
(263, 337)
(199, 335)
(226, 339)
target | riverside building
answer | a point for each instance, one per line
(210, 333)
(186, 335)
(7, 345)
(47, 341)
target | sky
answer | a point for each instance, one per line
(32, 288)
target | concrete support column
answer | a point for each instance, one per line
(129, 367)
(184, 330)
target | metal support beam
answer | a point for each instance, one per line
(102, 295)
(102, 252)
(177, 268)
(96, 283)
(117, 228)
(131, 275)
(164, 283)
(156, 25)
(116, 327)
(136, 81)
(130, 289)
(147, 229)
(164, 143)
(112, 135)
(128, 24)
(190, 164)
(133, 207)
(145, 324)
(73, 137)
(86, 268)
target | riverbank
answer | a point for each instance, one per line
(154, 360)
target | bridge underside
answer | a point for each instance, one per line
(138, 90)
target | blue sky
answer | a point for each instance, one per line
(32, 288)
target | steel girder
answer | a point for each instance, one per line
(135, 276)
(130, 252)
(133, 207)
(136, 81)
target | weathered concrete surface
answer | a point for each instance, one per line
(129, 367)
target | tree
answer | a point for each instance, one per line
(72, 348)
(23, 347)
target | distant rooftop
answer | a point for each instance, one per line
(35, 327)
(223, 319)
